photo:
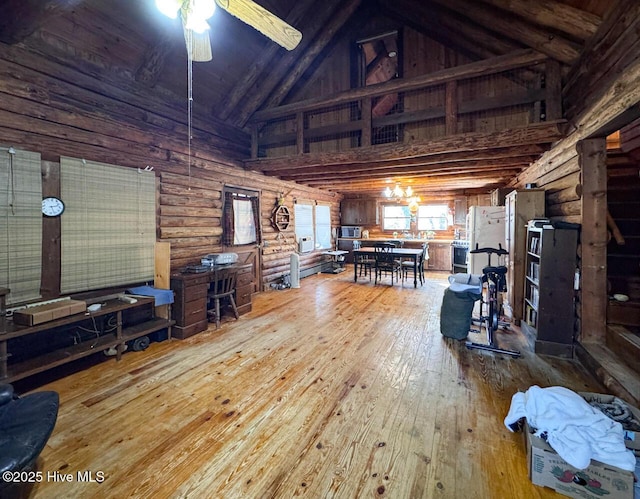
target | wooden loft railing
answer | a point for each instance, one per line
(496, 94)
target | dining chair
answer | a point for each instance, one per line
(222, 287)
(407, 265)
(386, 261)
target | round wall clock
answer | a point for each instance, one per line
(52, 206)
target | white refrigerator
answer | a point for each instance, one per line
(486, 228)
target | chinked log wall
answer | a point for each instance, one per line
(602, 93)
(110, 120)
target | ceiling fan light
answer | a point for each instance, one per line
(169, 8)
(397, 191)
(203, 9)
(196, 24)
(409, 191)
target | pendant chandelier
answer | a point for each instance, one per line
(401, 195)
(398, 192)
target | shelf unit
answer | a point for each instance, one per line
(128, 322)
(548, 308)
(281, 217)
(520, 207)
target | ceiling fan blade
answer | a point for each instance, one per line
(198, 45)
(264, 21)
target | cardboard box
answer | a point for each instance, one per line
(547, 469)
(631, 438)
(38, 314)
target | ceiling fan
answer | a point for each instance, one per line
(195, 13)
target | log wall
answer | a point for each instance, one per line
(601, 95)
(51, 109)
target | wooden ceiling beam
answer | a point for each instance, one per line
(562, 17)
(542, 133)
(267, 60)
(514, 60)
(415, 179)
(556, 47)
(523, 153)
(279, 81)
(414, 171)
(20, 18)
(452, 30)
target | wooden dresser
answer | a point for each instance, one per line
(190, 307)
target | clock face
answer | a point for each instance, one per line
(52, 207)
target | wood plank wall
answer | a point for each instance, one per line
(601, 89)
(48, 108)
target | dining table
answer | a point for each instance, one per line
(413, 253)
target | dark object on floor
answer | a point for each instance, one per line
(26, 424)
(455, 313)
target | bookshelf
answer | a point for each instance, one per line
(548, 308)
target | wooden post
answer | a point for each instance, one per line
(451, 112)
(592, 157)
(254, 141)
(366, 122)
(300, 132)
(553, 91)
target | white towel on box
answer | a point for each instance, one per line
(577, 431)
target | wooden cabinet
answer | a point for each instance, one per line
(359, 212)
(548, 315)
(27, 350)
(190, 308)
(460, 211)
(439, 256)
(244, 288)
(520, 207)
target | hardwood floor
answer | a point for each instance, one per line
(335, 389)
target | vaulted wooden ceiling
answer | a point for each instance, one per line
(130, 44)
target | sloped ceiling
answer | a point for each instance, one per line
(131, 44)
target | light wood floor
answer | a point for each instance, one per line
(335, 389)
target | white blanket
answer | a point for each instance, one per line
(575, 430)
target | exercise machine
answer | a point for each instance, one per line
(494, 282)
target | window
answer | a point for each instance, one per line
(108, 230)
(433, 217)
(323, 227)
(20, 224)
(396, 217)
(303, 216)
(240, 217)
(313, 221)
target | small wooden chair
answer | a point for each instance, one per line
(223, 286)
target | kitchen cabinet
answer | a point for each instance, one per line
(548, 315)
(520, 207)
(460, 211)
(439, 256)
(359, 212)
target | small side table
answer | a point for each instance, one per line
(336, 260)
